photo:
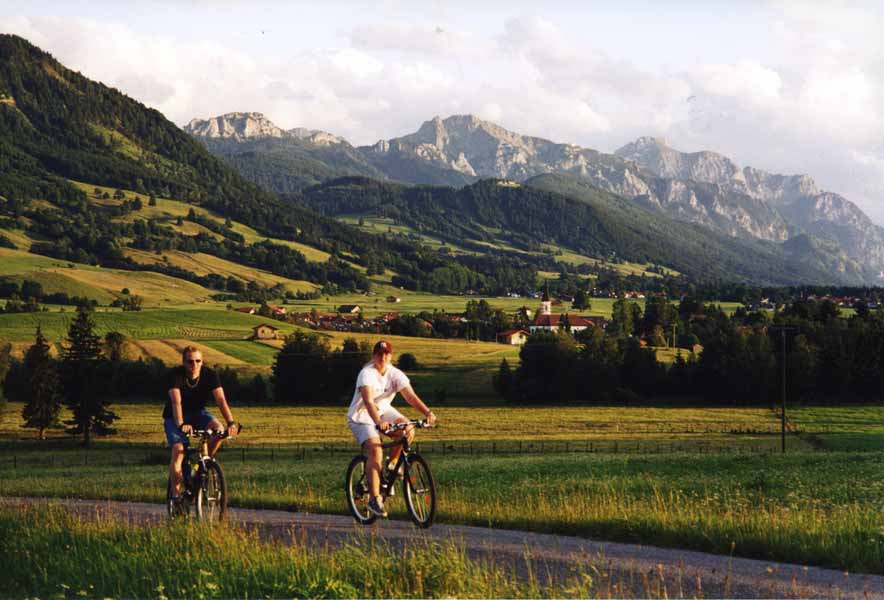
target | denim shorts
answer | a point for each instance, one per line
(201, 420)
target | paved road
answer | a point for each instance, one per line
(623, 569)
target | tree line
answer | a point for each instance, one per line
(828, 358)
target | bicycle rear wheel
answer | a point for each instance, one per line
(420, 491)
(211, 493)
(356, 488)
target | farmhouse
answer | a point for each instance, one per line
(249, 310)
(349, 309)
(394, 299)
(264, 332)
(513, 337)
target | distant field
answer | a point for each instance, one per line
(212, 322)
(375, 303)
(21, 239)
(696, 478)
(168, 210)
(509, 426)
(253, 353)
(382, 225)
(96, 282)
(204, 264)
(852, 428)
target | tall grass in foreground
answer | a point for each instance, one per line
(47, 553)
(811, 508)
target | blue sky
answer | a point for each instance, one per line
(791, 87)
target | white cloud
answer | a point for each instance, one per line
(811, 105)
(755, 83)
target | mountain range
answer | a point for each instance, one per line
(702, 187)
(63, 135)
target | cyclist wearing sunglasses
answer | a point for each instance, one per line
(191, 386)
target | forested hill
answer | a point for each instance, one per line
(592, 222)
(57, 126)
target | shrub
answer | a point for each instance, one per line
(408, 362)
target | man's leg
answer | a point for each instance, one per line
(215, 442)
(175, 475)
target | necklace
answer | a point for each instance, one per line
(196, 382)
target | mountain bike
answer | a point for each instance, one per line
(418, 486)
(203, 489)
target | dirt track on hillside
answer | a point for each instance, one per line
(624, 569)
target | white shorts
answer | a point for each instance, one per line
(366, 431)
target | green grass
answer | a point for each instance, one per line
(250, 352)
(806, 507)
(168, 210)
(692, 428)
(105, 559)
(375, 303)
(202, 264)
(690, 477)
(851, 428)
(211, 322)
(99, 283)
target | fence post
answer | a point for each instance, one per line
(14, 461)
(243, 454)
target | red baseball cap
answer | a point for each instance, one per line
(383, 347)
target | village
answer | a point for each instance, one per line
(510, 329)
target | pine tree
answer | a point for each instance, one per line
(5, 365)
(83, 393)
(503, 380)
(44, 388)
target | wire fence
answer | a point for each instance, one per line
(271, 453)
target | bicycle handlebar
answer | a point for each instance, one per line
(421, 424)
(222, 434)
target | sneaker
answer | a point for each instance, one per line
(376, 506)
(175, 506)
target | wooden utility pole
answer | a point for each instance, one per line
(783, 329)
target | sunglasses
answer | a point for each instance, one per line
(193, 361)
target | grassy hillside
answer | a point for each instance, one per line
(211, 322)
(99, 283)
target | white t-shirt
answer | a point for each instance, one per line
(383, 387)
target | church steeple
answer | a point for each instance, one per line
(545, 302)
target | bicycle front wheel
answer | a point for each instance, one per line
(420, 491)
(211, 493)
(358, 495)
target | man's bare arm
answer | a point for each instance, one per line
(177, 415)
(221, 401)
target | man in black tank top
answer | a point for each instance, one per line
(191, 387)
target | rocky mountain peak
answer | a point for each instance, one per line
(236, 126)
(316, 136)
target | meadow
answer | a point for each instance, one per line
(706, 479)
(98, 560)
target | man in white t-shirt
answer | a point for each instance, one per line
(376, 386)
